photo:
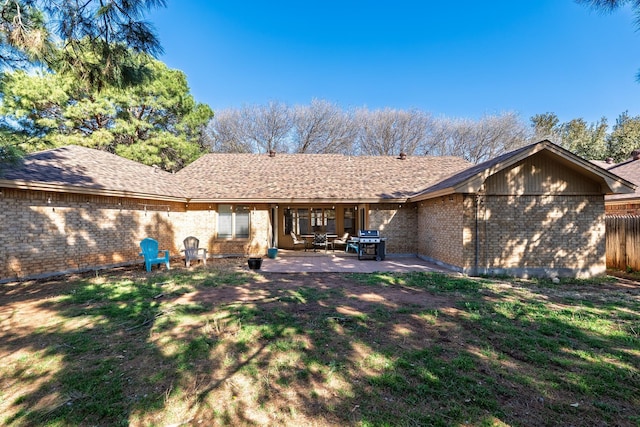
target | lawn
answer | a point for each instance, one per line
(222, 345)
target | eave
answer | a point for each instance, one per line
(609, 182)
(56, 188)
(291, 200)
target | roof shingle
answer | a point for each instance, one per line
(314, 176)
(629, 170)
(85, 168)
(263, 178)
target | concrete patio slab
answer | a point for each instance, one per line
(338, 263)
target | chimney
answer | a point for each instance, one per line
(272, 153)
(403, 155)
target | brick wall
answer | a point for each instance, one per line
(399, 224)
(517, 235)
(42, 232)
(542, 235)
(440, 230)
(630, 208)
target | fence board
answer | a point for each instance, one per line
(623, 242)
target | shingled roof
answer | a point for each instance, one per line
(314, 177)
(470, 179)
(237, 178)
(79, 169)
(629, 170)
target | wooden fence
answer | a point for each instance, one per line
(623, 242)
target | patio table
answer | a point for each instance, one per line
(311, 236)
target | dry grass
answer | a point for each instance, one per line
(224, 346)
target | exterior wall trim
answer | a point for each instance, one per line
(51, 274)
(451, 267)
(539, 272)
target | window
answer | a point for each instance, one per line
(309, 221)
(350, 221)
(296, 220)
(233, 222)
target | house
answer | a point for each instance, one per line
(625, 203)
(538, 210)
(623, 216)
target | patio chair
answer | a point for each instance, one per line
(192, 251)
(297, 241)
(320, 241)
(151, 253)
(343, 241)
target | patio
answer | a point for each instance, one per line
(289, 261)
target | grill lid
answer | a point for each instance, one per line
(368, 233)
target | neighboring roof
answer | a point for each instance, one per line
(470, 180)
(314, 177)
(629, 170)
(89, 171)
(603, 164)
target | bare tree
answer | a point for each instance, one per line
(267, 126)
(437, 138)
(225, 133)
(478, 141)
(323, 127)
(390, 132)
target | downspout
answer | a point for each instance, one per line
(276, 230)
(477, 208)
(274, 227)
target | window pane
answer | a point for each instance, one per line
(303, 221)
(288, 221)
(350, 221)
(225, 230)
(330, 220)
(316, 220)
(242, 222)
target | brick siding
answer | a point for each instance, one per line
(399, 224)
(45, 232)
(440, 229)
(525, 235)
(631, 208)
(42, 232)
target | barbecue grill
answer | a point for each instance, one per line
(371, 245)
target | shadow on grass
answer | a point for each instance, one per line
(376, 349)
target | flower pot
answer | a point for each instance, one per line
(255, 263)
(272, 252)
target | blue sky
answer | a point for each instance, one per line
(461, 59)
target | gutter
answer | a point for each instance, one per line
(23, 185)
(35, 186)
(294, 201)
(432, 195)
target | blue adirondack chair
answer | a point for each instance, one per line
(152, 255)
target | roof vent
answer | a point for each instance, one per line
(272, 153)
(403, 155)
(635, 154)
(609, 160)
